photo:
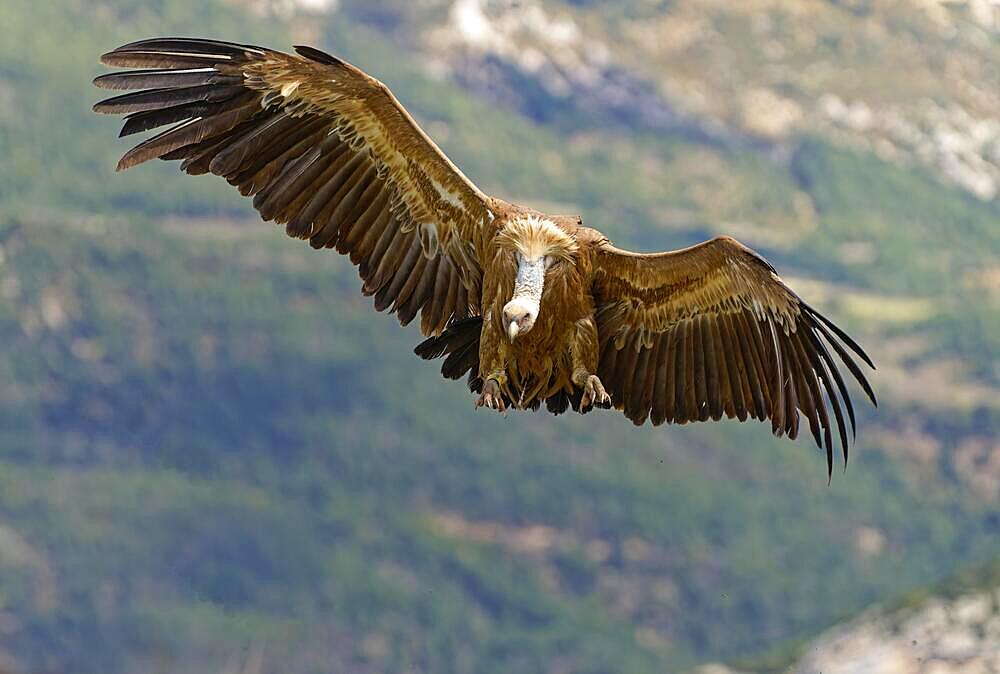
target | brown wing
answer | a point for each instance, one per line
(325, 150)
(712, 330)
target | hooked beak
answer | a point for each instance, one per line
(512, 329)
(518, 317)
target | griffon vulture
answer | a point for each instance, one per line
(532, 307)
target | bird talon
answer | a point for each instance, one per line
(594, 394)
(492, 397)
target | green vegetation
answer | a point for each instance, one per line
(208, 440)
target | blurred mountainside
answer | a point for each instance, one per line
(950, 628)
(914, 81)
(210, 444)
(956, 629)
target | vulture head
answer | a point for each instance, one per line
(536, 249)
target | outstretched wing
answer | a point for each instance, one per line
(322, 148)
(712, 330)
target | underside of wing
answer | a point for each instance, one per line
(322, 148)
(713, 331)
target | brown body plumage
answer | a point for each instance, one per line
(532, 308)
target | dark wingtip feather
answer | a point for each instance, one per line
(168, 78)
(190, 45)
(855, 347)
(318, 55)
(819, 356)
(844, 355)
(144, 121)
(431, 348)
(838, 379)
(461, 362)
(866, 387)
(829, 454)
(107, 59)
(174, 52)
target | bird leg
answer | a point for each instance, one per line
(492, 367)
(585, 352)
(593, 393)
(491, 397)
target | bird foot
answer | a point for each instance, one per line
(491, 397)
(594, 394)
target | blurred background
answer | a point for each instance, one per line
(216, 457)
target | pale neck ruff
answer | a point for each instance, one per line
(530, 279)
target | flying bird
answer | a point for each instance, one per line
(532, 308)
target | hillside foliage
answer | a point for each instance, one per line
(209, 441)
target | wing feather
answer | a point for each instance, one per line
(650, 367)
(712, 386)
(697, 351)
(713, 331)
(687, 383)
(638, 402)
(738, 390)
(322, 148)
(824, 375)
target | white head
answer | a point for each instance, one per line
(536, 244)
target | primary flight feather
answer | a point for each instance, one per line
(532, 308)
